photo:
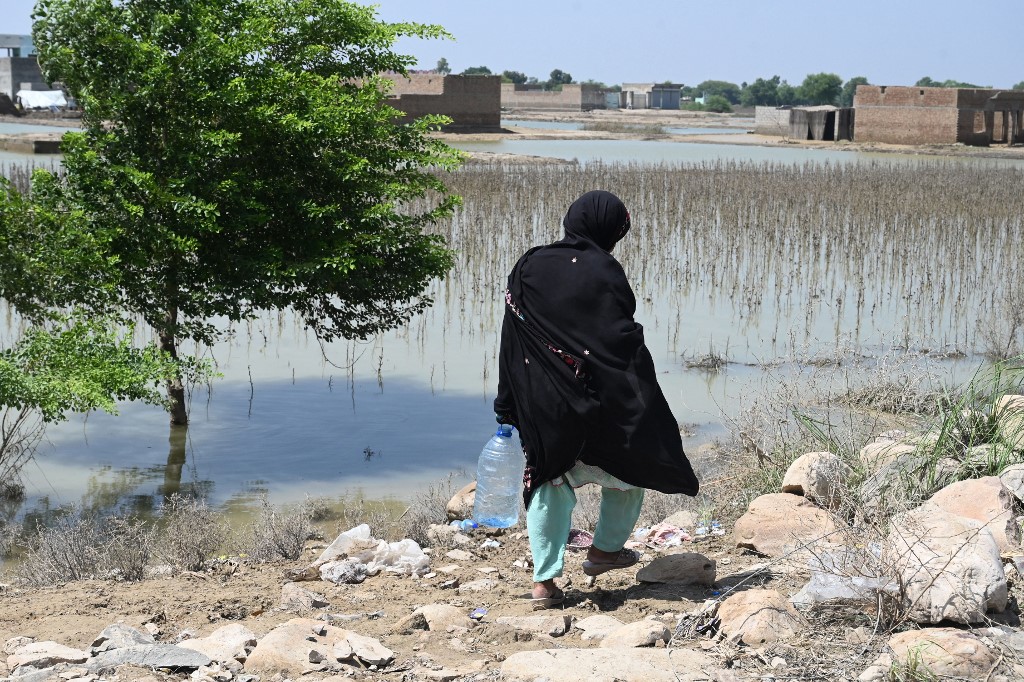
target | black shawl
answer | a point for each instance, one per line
(574, 374)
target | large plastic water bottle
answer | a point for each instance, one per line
(499, 481)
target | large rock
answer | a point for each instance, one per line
(638, 634)
(367, 650)
(759, 617)
(597, 627)
(1010, 420)
(442, 616)
(779, 523)
(461, 505)
(225, 644)
(686, 568)
(44, 655)
(882, 451)
(150, 656)
(291, 647)
(609, 665)
(986, 500)
(949, 566)
(944, 653)
(118, 636)
(818, 476)
(552, 625)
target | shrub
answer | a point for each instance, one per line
(190, 533)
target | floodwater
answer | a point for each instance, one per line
(387, 417)
(575, 125)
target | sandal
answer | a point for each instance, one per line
(623, 559)
(541, 603)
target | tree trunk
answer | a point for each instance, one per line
(175, 462)
(175, 387)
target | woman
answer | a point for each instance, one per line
(578, 381)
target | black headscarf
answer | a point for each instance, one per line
(574, 373)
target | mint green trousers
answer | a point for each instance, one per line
(549, 518)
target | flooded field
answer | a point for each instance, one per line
(760, 261)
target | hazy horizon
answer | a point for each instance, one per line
(888, 43)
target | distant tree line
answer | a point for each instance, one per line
(718, 95)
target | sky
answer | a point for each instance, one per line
(887, 41)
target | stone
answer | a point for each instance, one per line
(779, 523)
(884, 451)
(118, 636)
(944, 652)
(441, 616)
(461, 505)
(684, 568)
(597, 627)
(414, 621)
(365, 649)
(1013, 478)
(439, 534)
(15, 643)
(286, 648)
(149, 656)
(683, 518)
(639, 634)
(949, 565)
(818, 476)
(551, 625)
(45, 655)
(606, 665)
(481, 585)
(986, 500)
(1009, 414)
(758, 617)
(297, 598)
(460, 555)
(225, 643)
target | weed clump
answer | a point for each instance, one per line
(190, 534)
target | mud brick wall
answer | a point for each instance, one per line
(906, 115)
(472, 102)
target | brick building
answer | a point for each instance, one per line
(572, 97)
(915, 115)
(472, 102)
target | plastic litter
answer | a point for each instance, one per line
(845, 574)
(464, 524)
(579, 539)
(662, 535)
(478, 613)
(356, 554)
(490, 543)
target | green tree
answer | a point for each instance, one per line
(786, 93)
(927, 82)
(820, 88)
(442, 67)
(850, 89)
(557, 79)
(516, 77)
(240, 156)
(477, 71)
(728, 90)
(1018, 86)
(761, 92)
(717, 103)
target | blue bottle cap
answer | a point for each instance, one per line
(505, 431)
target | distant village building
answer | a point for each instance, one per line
(19, 68)
(572, 97)
(823, 122)
(915, 115)
(651, 95)
(472, 102)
